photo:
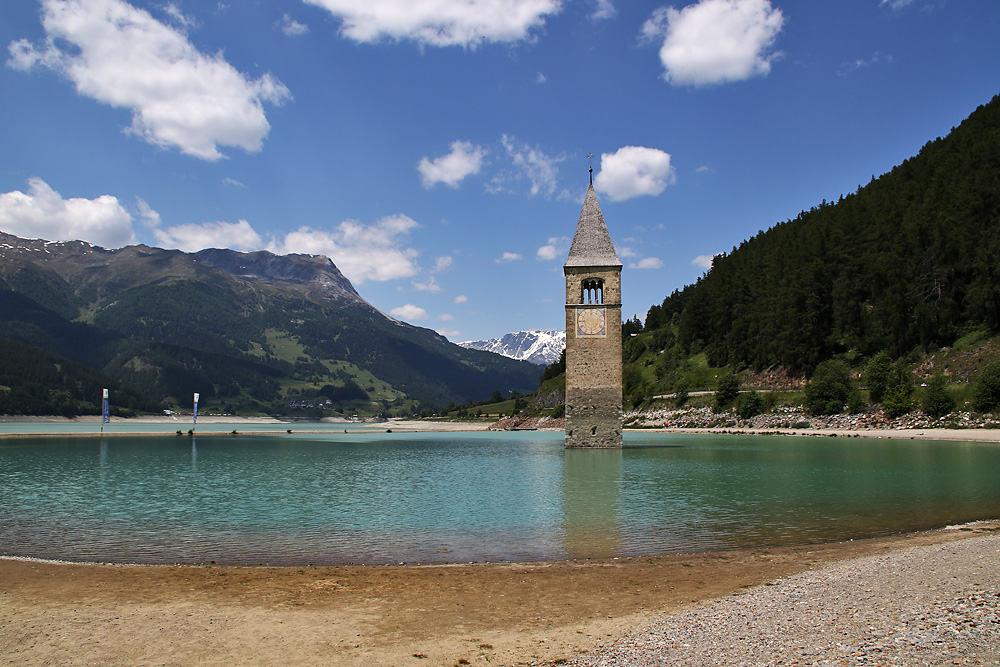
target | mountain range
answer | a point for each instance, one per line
(246, 330)
(539, 346)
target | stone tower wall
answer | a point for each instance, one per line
(594, 364)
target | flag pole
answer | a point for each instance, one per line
(105, 412)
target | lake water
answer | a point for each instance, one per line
(333, 498)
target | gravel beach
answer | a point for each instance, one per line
(935, 604)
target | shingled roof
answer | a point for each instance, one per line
(592, 243)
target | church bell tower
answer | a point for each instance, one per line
(593, 334)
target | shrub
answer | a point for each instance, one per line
(681, 395)
(986, 393)
(855, 402)
(897, 401)
(727, 390)
(937, 402)
(829, 388)
(877, 376)
(749, 405)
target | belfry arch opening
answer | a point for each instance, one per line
(593, 291)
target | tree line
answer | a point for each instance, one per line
(909, 262)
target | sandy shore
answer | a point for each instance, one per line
(507, 614)
(214, 424)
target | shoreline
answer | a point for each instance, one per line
(244, 426)
(504, 613)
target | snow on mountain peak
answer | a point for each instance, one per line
(539, 346)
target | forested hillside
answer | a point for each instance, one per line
(910, 261)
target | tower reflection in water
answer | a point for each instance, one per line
(592, 502)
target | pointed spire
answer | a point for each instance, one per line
(592, 244)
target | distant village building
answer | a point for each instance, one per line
(593, 334)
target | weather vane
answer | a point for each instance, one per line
(590, 157)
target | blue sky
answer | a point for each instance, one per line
(437, 151)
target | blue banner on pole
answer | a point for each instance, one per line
(105, 411)
(195, 409)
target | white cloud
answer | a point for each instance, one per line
(625, 251)
(448, 333)
(437, 22)
(429, 285)
(409, 312)
(715, 41)
(442, 263)
(647, 263)
(233, 182)
(149, 217)
(896, 4)
(603, 9)
(361, 252)
(179, 17)
(291, 27)
(556, 247)
(193, 237)
(853, 66)
(704, 261)
(463, 160)
(508, 257)
(121, 56)
(43, 213)
(530, 163)
(461, 298)
(633, 171)
(445, 317)
(540, 78)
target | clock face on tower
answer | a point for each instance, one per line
(591, 322)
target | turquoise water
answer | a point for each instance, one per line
(429, 497)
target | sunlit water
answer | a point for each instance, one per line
(432, 497)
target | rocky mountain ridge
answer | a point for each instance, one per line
(539, 346)
(244, 329)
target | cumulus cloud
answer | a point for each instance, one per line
(461, 298)
(508, 257)
(633, 171)
(442, 263)
(463, 160)
(198, 236)
(556, 247)
(409, 312)
(529, 163)
(362, 252)
(429, 285)
(436, 23)
(603, 9)
(179, 97)
(715, 41)
(896, 4)
(704, 261)
(291, 27)
(43, 213)
(647, 263)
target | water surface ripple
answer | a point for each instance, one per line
(333, 498)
